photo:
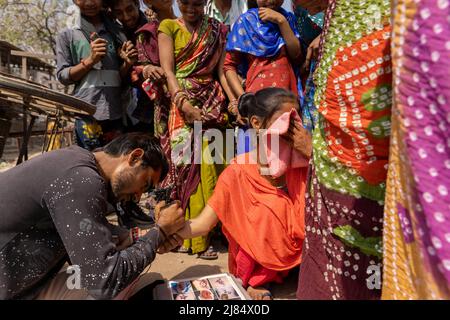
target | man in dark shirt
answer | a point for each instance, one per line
(53, 211)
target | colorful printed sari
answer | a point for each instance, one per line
(344, 214)
(416, 232)
(259, 48)
(194, 69)
(310, 27)
(256, 50)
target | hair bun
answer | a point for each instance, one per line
(246, 101)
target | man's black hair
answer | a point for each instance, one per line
(252, 4)
(153, 154)
(112, 3)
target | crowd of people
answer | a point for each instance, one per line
(346, 198)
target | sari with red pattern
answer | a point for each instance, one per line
(194, 69)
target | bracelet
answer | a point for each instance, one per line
(135, 234)
(179, 98)
(174, 96)
(83, 62)
(180, 104)
(232, 106)
(177, 95)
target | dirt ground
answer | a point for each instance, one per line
(172, 266)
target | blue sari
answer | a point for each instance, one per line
(250, 35)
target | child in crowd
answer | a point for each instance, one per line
(94, 55)
(141, 28)
(264, 46)
(147, 77)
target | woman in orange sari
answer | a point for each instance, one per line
(262, 212)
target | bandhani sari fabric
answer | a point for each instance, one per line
(344, 210)
(417, 217)
(195, 66)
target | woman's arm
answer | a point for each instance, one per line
(223, 80)
(230, 63)
(292, 43)
(201, 225)
(167, 61)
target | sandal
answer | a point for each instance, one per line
(267, 294)
(182, 249)
(253, 293)
(208, 254)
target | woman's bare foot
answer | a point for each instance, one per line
(259, 293)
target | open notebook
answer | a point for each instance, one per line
(221, 286)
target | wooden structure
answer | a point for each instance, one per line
(20, 98)
(28, 65)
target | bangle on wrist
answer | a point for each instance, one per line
(135, 234)
(85, 64)
(179, 98)
(181, 103)
(175, 94)
(232, 106)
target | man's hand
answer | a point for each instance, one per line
(153, 73)
(171, 243)
(128, 53)
(98, 51)
(299, 138)
(269, 15)
(170, 219)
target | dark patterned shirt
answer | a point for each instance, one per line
(53, 210)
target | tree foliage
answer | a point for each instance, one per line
(32, 24)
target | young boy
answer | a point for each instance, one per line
(141, 29)
(94, 55)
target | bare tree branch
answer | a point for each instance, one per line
(32, 24)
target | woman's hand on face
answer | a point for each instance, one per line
(153, 73)
(299, 138)
(190, 113)
(269, 15)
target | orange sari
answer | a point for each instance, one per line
(264, 225)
